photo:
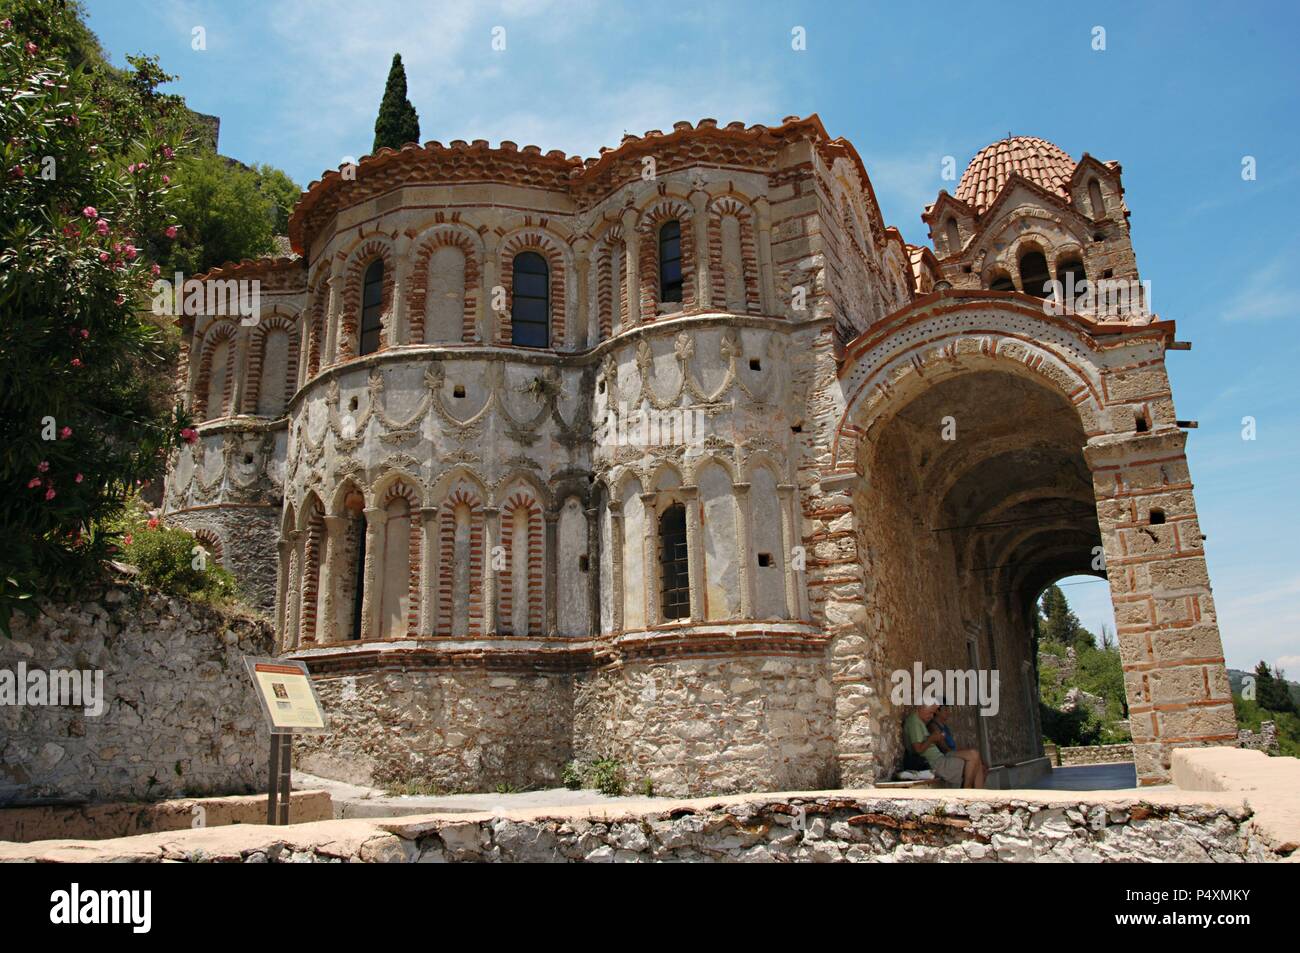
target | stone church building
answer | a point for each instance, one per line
(676, 455)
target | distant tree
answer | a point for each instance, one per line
(223, 214)
(397, 123)
(1271, 690)
(281, 190)
(1059, 621)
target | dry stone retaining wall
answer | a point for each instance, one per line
(179, 717)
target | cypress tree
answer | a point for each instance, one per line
(397, 123)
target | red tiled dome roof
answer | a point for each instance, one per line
(1041, 162)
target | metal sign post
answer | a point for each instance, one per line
(291, 707)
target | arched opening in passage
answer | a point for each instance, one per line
(977, 497)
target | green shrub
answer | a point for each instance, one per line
(571, 776)
(607, 777)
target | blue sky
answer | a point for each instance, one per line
(1180, 94)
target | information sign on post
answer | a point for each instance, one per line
(290, 706)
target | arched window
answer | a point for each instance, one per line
(674, 564)
(530, 318)
(1034, 275)
(1071, 275)
(670, 261)
(1001, 282)
(372, 303)
(1095, 199)
(954, 237)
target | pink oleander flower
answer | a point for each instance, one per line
(102, 227)
(155, 270)
(167, 180)
(90, 212)
(65, 433)
(78, 478)
(189, 435)
(129, 251)
(49, 494)
(167, 152)
(127, 539)
(31, 48)
(171, 231)
(43, 466)
(103, 256)
(153, 522)
(84, 334)
(76, 362)
(120, 299)
(33, 483)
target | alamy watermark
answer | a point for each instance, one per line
(1105, 296)
(648, 427)
(23, 687)
(953, 686)
(215, 297)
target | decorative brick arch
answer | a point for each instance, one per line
(534, 239)
(885, 367)
(731, 207)
(610, 246)
(529, 549)
(316, 317)
(257, 355)
(665, 210)
(402, 488)
(350, 317)
(444, 237)
(212, 543)
(312, 517)
(462, 493)
(217, 332)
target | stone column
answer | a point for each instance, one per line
(187, 364)
(550, 573)
(286, 603)
(491, 539)
(700, 222)
(489, 320)
(794, 607)
(372, 596)
(1165, 621)
(632, 269)
(399, 332)
(766, 281)
(616, 564)
(284, 549)
(650, 558)
(239, 371)
(695, 550)
(327, 619)
(580, 330)
(428, 570)
(333, 313)
(745, 555)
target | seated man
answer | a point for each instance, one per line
(953, 769)
(947, 745)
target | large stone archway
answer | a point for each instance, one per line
(985, 449)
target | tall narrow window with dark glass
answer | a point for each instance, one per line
(674, 564)
(372, 304)
(358, 579)
(670, 261)
(530, 315)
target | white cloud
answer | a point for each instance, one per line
(1266, 293)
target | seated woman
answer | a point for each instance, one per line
(947, 745)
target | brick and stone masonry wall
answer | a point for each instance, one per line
(179, 719)
(1095, 754)
(711, 724)
(455, 730)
